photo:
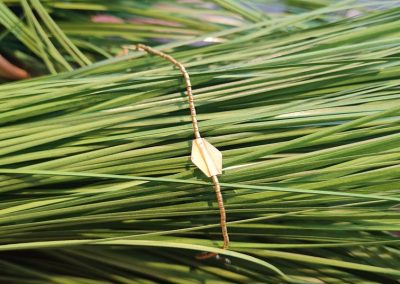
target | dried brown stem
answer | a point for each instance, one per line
(10, 71)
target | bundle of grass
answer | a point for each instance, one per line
(97, 184)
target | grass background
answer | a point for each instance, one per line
(96, 180)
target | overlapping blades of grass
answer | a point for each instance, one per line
(306, 116)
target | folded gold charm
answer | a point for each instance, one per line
(206, 157)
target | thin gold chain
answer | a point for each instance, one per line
(196, 131)
(185, 75)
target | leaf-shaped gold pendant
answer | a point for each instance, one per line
(206, 157)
